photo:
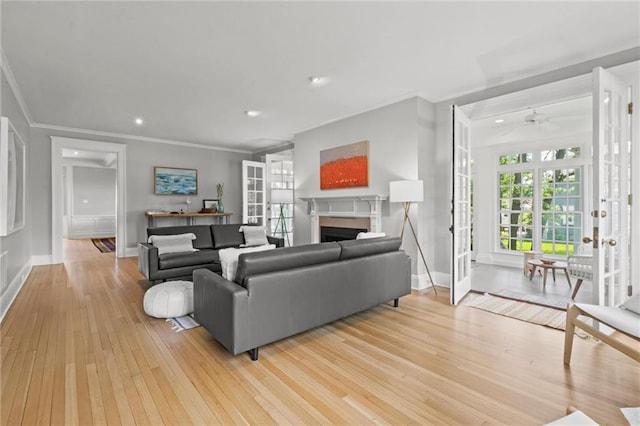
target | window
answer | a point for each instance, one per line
(516, 211)
(526, 157)
(561, 225)
(540, 201)
(560, 154)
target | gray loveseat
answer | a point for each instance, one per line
(282, 292)
(209, 239)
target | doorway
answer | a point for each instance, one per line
(117, 152)
(89, 187)
(557, 170)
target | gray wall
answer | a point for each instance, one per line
(213, 166)
(96, 186)
(18, 244)
(400, 145)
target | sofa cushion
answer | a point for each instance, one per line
(227, 235)
(281, 259)
(178, 243)
(202, 232)
(177, 260)
(365, 247)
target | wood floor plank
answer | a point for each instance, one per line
(77, 348)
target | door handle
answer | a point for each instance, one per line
(587, 240)
(611, 242)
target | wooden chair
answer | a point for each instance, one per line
(619, 319)
(580, 266)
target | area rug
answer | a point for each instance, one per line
(523, 311)
(105, 245)
(558, 302)
(183, 323)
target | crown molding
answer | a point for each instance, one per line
(13, 84)
(135, 138)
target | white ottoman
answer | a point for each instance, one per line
(169, 300)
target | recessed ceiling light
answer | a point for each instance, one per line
(500, 120)
(75, 152)
(314, 79)
(252, 113)
(139, 121)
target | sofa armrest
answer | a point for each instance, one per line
(148, 260)
(222, 308)
(279, 242)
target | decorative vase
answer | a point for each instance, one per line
(220, 207)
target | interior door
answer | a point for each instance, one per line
(460, 207)
(279, 176)
(253, 193)
(611, 146)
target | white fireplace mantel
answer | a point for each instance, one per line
(369, 206)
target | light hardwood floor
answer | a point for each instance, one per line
(77, 348)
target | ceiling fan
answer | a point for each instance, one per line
(535, 118)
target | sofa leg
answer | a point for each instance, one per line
(254, 354)
(396, 302)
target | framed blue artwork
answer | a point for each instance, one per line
(175, 181)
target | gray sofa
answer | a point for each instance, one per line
(209, 239)
(282, 292)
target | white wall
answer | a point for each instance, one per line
(400, 144)
(17, 246)
(91, 193)
(94, 191)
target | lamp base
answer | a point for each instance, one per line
(406, 207)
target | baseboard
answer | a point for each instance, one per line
(6, 300)
(131, 252)
(84, 235)
(421, 281)
(484, 258)
(43, 259)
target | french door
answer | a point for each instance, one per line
(610, 205)
(460, 207)
(253, 193)
(279, 210)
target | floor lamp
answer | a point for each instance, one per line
(282, 197)
(407, 192)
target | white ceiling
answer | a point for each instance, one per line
(192, 69)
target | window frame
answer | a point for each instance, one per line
(537, 166)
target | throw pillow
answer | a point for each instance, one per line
(173, 243)
(229, 259)
(254, 236)
(365, 235)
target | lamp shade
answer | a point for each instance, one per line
(281, 196)
(406, 191)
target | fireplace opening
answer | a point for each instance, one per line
(332, 233)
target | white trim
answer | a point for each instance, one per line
(131, 252)
(13, 84)
(100, 133)
(421, 281)
(369, 206)
(6, 300)
(57, 144)
(41, 259)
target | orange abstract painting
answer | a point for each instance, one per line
(345, 166)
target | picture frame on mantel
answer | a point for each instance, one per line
(12, 179)
(175, 181)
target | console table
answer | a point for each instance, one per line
(190, 218)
